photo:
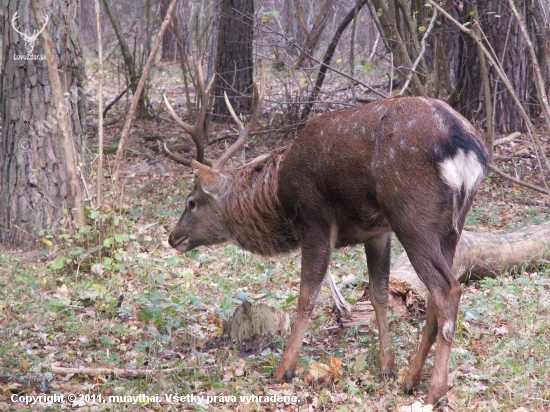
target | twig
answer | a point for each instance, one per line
(507, 139)
(420, 55)
(115, 100)
(100, 113)
(139, 90)
(122, 373)
(517, 181)
(347, 76)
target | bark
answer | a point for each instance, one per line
(88, 22)
(234, 62)
(169, 39)
(62, 115)
(35, 186)
(498, 24)
(478, 256)
(252, 319)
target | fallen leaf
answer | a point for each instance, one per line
(416, 407)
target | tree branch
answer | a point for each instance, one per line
(139, 90)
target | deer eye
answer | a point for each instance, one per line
(191, 204)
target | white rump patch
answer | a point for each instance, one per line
(462, 169)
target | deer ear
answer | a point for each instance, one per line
(210, 181)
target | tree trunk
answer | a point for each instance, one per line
(169, 40)
(234, 61)
(35, 193)
(314, 35)
(477, 256)
(88, 22)
(498, 24)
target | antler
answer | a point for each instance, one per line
(14, 24)
(197, 130)
(35, 35)
(259, 93)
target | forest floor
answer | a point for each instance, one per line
(115, 295)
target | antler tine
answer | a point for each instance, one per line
(240, 125)
(185, 126)
(14, 24)
(194, 131)
(259, 94)
(175, 157)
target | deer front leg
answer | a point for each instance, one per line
(315, 260)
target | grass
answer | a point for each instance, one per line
(148, 307)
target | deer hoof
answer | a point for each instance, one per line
(286, 375)
(409, 387)
(389, 374)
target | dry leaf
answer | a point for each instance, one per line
(320, 374)
(335, 366)
(62, 292)
(401, 373)
(416, 407)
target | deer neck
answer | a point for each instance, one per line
(255, 216)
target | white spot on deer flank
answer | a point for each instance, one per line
(395, 127)
(462, 169)
(354, 125)
(427, 101)
(391, 153)
(363, 130)
(440, 122)
(411, 122)
(321, 132)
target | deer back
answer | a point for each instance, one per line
(365, 168)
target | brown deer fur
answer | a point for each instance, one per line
(408, 165)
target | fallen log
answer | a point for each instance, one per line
(478, 255)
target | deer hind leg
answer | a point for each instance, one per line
(431, 257)
(377, 250)
(316, 252)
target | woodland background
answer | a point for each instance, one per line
(87, 201)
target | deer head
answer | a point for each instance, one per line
(29, 40)
(201, 222)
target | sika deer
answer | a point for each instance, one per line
(410, 165)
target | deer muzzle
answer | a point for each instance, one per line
(179, 242)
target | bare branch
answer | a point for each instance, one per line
(139, 90)
(420, 55)
(244, 132)
(517, 181)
